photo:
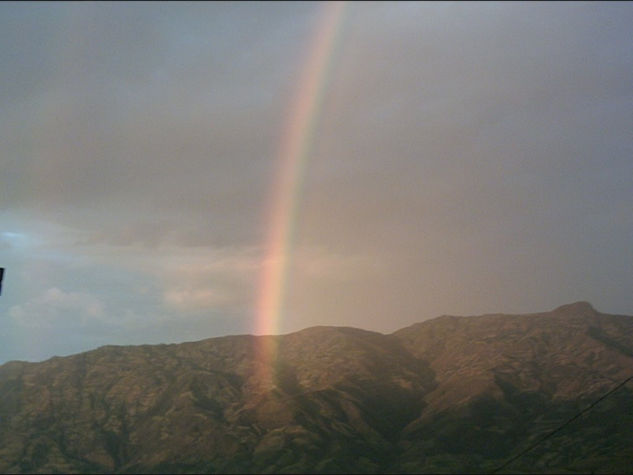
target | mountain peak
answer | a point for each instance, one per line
(576, 308)
(465, 392)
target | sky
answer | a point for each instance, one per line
(452, 158)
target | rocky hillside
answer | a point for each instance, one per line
(453, 394)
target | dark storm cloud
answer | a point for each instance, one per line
(486, 151)
(154, 109)
(467, 157)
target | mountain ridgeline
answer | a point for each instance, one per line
(452, 394)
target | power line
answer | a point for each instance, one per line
(547, 436)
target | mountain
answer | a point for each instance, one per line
(453, 394)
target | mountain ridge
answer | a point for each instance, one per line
(451, 394)
(581, 304)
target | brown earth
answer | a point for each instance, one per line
(453, 394)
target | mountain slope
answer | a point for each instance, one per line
(505, 381)
(449, 394)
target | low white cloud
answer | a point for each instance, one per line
(13, 240)
(207, 279)
(198, 298)
(56, 307)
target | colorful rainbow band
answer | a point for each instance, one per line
(295, 147)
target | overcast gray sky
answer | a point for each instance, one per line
(468, 158)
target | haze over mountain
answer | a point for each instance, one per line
(452, 394)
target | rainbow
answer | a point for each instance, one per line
(294, 150)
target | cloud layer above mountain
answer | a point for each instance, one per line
(468, 158)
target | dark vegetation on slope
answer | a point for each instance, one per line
(453, 394)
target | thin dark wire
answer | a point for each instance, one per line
(540, 441)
